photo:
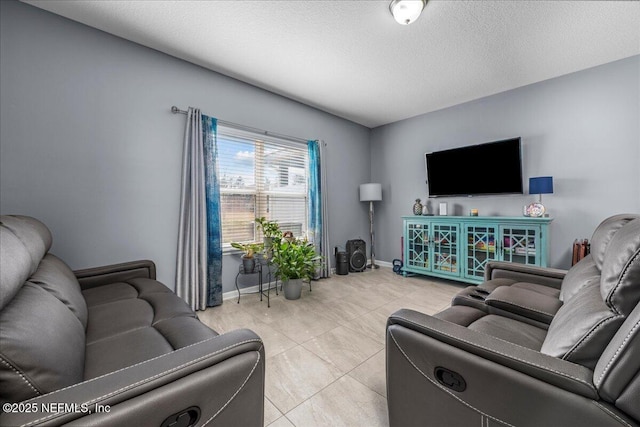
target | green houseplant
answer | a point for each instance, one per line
(297, 260)
(270, 231)
(249, 250)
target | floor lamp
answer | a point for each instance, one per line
(371, 193)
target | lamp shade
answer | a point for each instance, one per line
(370, 192)
(541, 185)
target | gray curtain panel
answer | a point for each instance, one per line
(191, 270)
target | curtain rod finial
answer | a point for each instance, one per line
(175, 109)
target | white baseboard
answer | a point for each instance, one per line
(383, 263)
(254, 289)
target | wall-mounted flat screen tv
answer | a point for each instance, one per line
(483, 169)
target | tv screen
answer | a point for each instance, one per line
(483, 169)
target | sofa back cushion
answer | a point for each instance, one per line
(582, 328)
(617, 374)
(603, 234)
(599, 293)
(42, 345)
(580, 275)
(23, 243)
(43, 314)
(620, 271)
(56, 277)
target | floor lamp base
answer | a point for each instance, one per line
(373, 266)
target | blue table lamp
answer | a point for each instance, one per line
(539, 185)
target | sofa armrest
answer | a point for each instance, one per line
(545, 276)
(98, 276)
(525, 303)
(566, 375)
(449, 375)
(223, 377)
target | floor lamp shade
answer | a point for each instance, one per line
(370, 192)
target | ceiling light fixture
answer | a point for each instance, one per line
(406, 11)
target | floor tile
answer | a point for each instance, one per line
(367, 299)
(225, 319)
(340, 309)
(295, 375)
(271, 413)
(343, 347)
(346, 402)
(373, 373)
(372, 324)
(281, 422)
(280, 309)
(304, 325)
(325, 351)
(404, 302)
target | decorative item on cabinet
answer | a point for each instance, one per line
(417, 207)
(539, 185)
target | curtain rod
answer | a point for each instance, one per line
(176, 110)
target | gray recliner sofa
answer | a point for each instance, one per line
(111, 346)
(532, 347)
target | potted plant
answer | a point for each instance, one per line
(249, 249)
(270, 231)
(296, 260)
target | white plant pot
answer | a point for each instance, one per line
(292, 288)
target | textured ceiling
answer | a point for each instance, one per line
(350, 58)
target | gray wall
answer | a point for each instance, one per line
(582, 129)
(89, 146)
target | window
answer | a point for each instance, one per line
(260, 176)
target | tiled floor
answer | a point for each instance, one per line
(325, 351)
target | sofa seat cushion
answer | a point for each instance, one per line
(137, 320)
(504, 328)
(462, 315)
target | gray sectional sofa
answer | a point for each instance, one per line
(529, 347)
(112, 346)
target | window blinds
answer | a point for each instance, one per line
(260, 176)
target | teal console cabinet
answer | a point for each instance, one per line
(459, 247)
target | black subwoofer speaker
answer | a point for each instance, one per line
(357, 253)
(342, 263)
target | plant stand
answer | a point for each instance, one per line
(257, 269)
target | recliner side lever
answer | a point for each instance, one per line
(186, 418)
(450, 379)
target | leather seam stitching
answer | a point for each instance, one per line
(624, 273)
(611, 414)
(520, 306)
(152, 359)
(441, 387)
(586, 336)
(143, 381)
(236, 392)
(20, 374)
(615, 355)
(591, 387)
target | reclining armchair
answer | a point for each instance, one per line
(111, 346)
(529, 347)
